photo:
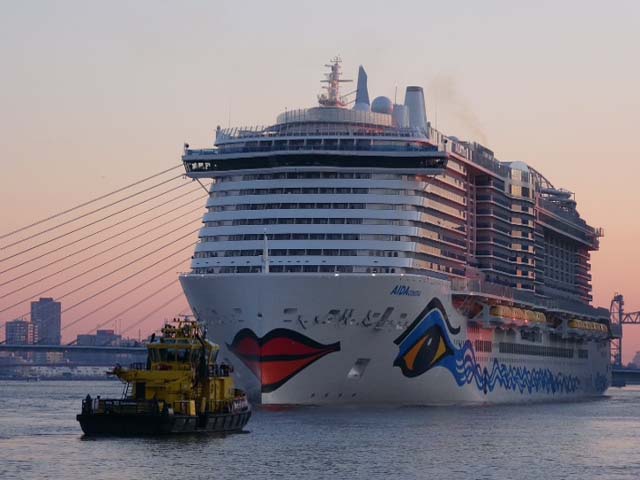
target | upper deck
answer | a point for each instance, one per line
(303, 141)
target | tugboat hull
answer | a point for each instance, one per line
(99, 424)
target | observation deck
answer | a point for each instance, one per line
(324, 145)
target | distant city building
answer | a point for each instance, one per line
(46, 316)
(19, 332)
(102, 338)
(107, 337)
(86, 340)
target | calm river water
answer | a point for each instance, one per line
(598, 439)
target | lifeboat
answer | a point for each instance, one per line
(517, 317)
(587, 328)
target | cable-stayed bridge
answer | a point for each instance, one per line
(111, 261)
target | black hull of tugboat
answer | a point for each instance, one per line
(115, 424)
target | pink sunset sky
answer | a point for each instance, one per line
(95, 96)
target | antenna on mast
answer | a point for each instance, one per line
(332, 98)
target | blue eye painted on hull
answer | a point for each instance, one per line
(424, 347)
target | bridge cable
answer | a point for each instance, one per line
(102, 197)
(77, 252)
(93, 223)
(103, 230)
(67, 222)
(146, 282)
(120, 282)
(129, 308)
(102, 265)
(137, 287)
(108, 303)
(153, 312)
(95, 255)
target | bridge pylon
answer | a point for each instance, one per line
(619, 318)
(616, 312)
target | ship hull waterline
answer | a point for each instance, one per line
(328, 339)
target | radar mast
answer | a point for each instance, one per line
(332, 98)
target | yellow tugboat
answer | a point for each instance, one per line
(181, 389)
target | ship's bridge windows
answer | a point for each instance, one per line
(172, 354)
(154, 354)
(183, 355)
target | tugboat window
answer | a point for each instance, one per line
(155, 356)
(183, 356)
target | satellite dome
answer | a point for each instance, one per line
(382, 105)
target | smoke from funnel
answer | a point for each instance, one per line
(455, 106)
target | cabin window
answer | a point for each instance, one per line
(182, 356)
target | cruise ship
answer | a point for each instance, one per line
(352, 253)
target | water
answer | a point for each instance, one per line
(597, 439)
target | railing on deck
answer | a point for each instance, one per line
(314, 130)
(342, 147)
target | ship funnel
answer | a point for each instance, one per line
(362, 93)
(414, 101)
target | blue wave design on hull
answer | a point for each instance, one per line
(466, 370)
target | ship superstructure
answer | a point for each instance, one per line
(337, 234)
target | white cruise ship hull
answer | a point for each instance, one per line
(325, 339)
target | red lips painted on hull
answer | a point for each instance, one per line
(279, 355)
